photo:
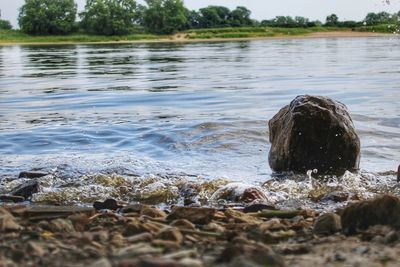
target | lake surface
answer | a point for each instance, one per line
(197, 109)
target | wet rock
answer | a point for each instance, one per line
(193, 214)
(108, 204)
(327, 224)
(15, 199)
(241, 252)
(384, 210)
(391, 237)
(7, 222)
(336, 196)
(238, 192)
(31, 174)
(313, 132)
(27, 189)
(398, 174)
(257, 208)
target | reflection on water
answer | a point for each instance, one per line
(199, 108)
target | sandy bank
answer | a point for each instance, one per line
(179, 38)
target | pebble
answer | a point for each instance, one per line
(326, 224)
(194, 214)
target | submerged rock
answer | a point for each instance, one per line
(384, 210)
(313, 132)
(239, 192)
(31, 174)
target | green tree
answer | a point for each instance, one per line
(240, 17)
(214, 16)
(109, 17)
(301, 21)
(332, 20)
(165, 16)
(48, 16)
(5, 25)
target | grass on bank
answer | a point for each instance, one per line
(17, 36)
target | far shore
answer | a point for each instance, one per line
(182, 38)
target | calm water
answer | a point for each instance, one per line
(198, 109)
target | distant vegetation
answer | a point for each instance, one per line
(130, 20)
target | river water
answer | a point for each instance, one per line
(196, 110)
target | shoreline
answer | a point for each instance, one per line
(175, 39)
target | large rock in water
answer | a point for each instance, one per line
(313, 132)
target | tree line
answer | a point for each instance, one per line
(119, 17)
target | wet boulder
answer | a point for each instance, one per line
(313, 132)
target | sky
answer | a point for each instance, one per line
(265, 9)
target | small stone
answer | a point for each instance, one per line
(36, 249)
(183, 224)
(170, 234)
(108, 204)
(152, 212)
(143, 237)
(31, 174)
(391, 237)
(326, 224)
(104, 262)
(188, 262)
(257, 208)
(214, 227)
(239, 192)
(249, 254)
(193, 214)
(7, 222)
(240, 217)
(61, 225)
(139, 249)
(336, 196)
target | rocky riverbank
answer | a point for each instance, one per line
(364, 233)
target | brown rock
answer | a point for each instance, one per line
(398, 174)
(183, 224)
(313, 132)
(170, 234)
(326, 224)
(7, 222)
(384, 210)
(61, 225)
(239, 192)
(242, 252)
(152, 212)
(193, 214)
(240, 217)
